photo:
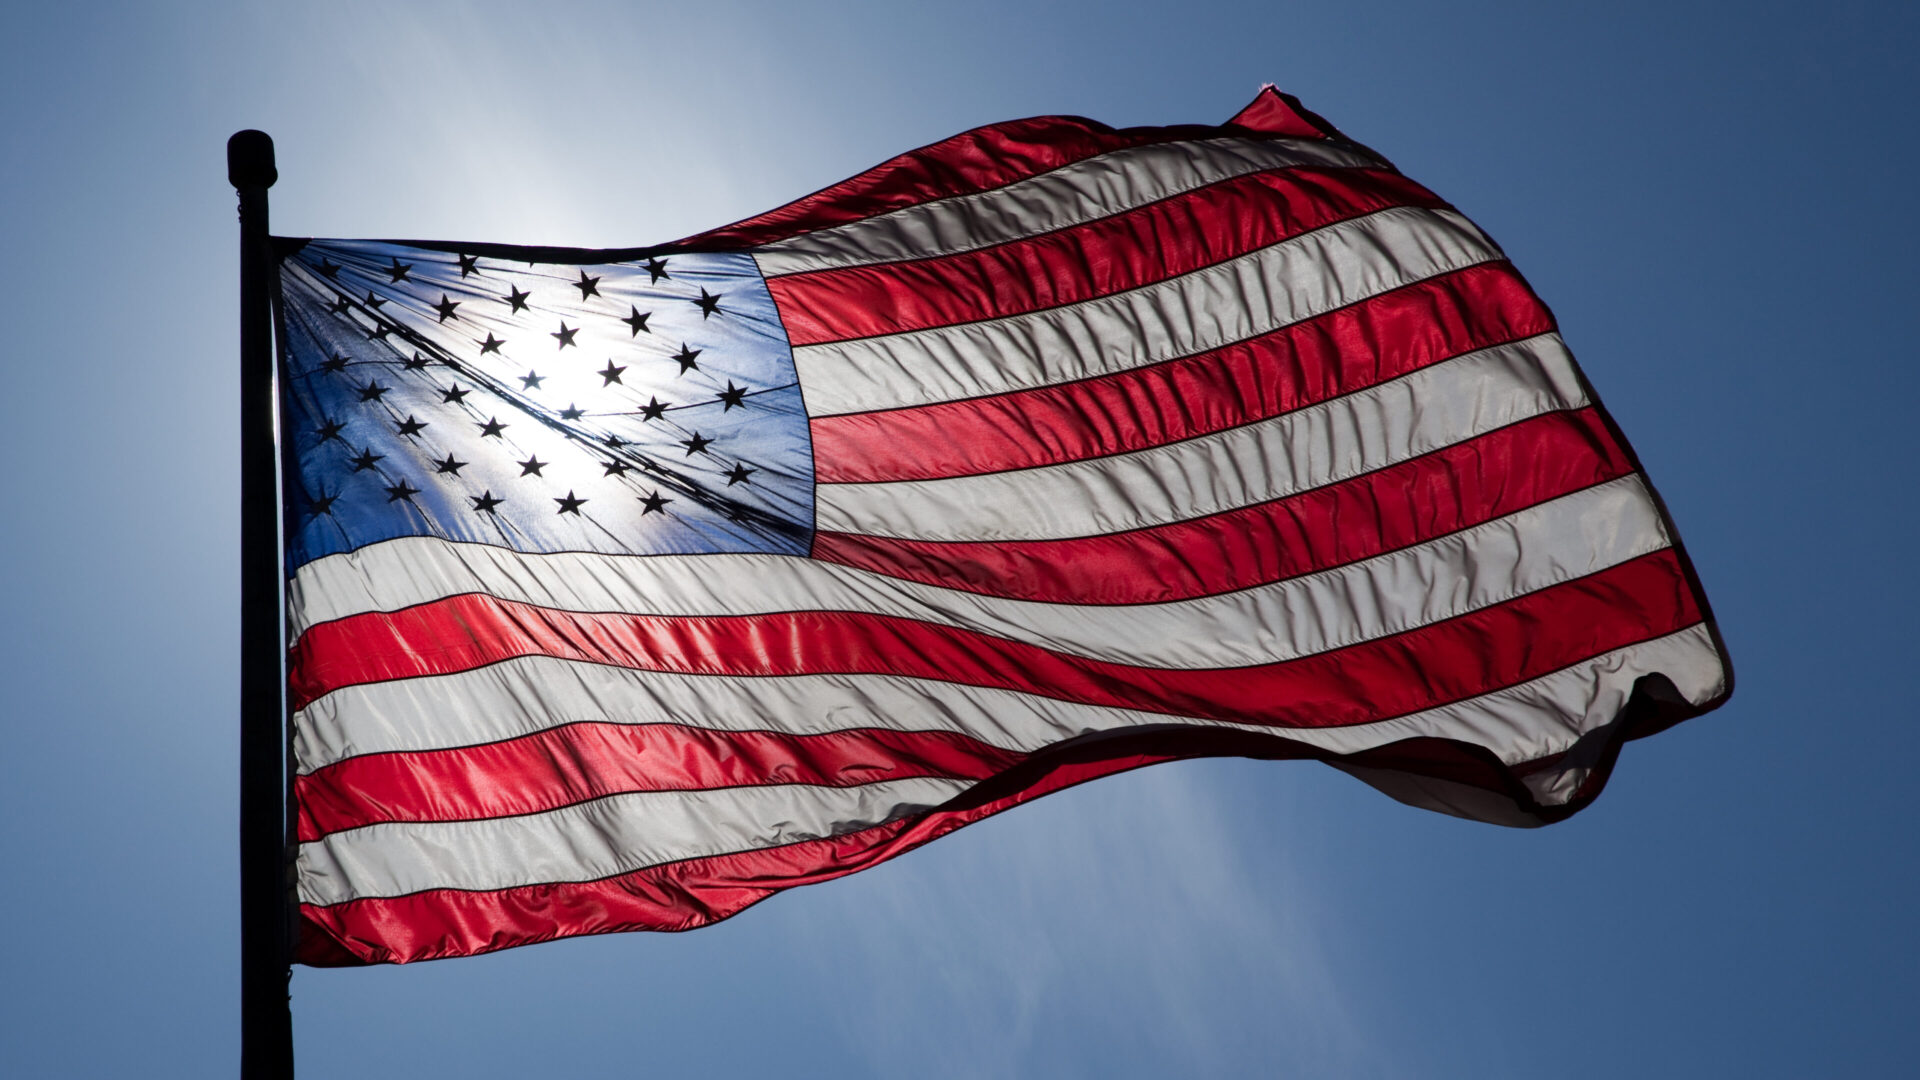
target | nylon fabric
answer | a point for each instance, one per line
(1206, 309)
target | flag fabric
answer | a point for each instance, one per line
(629, 587)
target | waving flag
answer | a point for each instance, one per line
(628, 588)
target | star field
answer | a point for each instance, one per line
(647, 407)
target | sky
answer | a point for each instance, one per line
(1714, 198)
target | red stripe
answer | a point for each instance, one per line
(1160, 240)
(1282, 114)
(1447, 661)
(973, 161)
(566, 765)
(1455, 488)
(439, 923)
(677, 896)
(1307, 362)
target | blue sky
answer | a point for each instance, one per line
(1716, 199)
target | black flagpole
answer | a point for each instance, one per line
(266, 1019)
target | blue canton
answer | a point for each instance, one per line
(641, 407)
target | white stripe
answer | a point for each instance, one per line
(598, 839)
(1548, 717)
(534, 694)
(1568, 537)
(1070, 195)
(1371, 429)
(1192, 313)
(623, 833)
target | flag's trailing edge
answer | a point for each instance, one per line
(628, 588)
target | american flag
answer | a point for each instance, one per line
(627, 588)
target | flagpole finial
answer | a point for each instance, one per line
(250, 159)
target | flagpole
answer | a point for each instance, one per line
(266, 1018)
